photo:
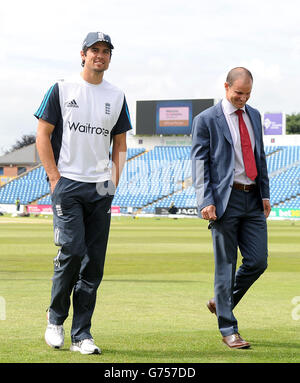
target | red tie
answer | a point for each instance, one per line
(248, 156)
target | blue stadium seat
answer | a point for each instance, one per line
(158, 177)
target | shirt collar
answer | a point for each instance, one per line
(229, 108)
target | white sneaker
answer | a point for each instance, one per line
(85, 346)
(55, 335)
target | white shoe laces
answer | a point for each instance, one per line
(56, 328)
(89, 342)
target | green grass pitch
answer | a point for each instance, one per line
(151, 305)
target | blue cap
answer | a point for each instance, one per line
(95, 37)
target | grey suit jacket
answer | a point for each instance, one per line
(213, 160)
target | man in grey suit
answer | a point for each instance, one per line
(232, 188)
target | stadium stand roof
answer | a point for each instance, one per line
(27, 155)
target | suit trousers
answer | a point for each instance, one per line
(81, 220)
(243, 226)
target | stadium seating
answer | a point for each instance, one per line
(152, 176)
(284, 172)
(161, 176)
(157, 178)
(27, 188)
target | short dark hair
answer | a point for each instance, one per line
(85, 49)
(234, 73)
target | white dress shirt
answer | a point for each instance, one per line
(233, 123)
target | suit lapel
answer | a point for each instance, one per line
(255, 128)
(222, 123)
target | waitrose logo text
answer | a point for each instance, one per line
(87, 128)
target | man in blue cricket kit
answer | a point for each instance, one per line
(78, 120)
